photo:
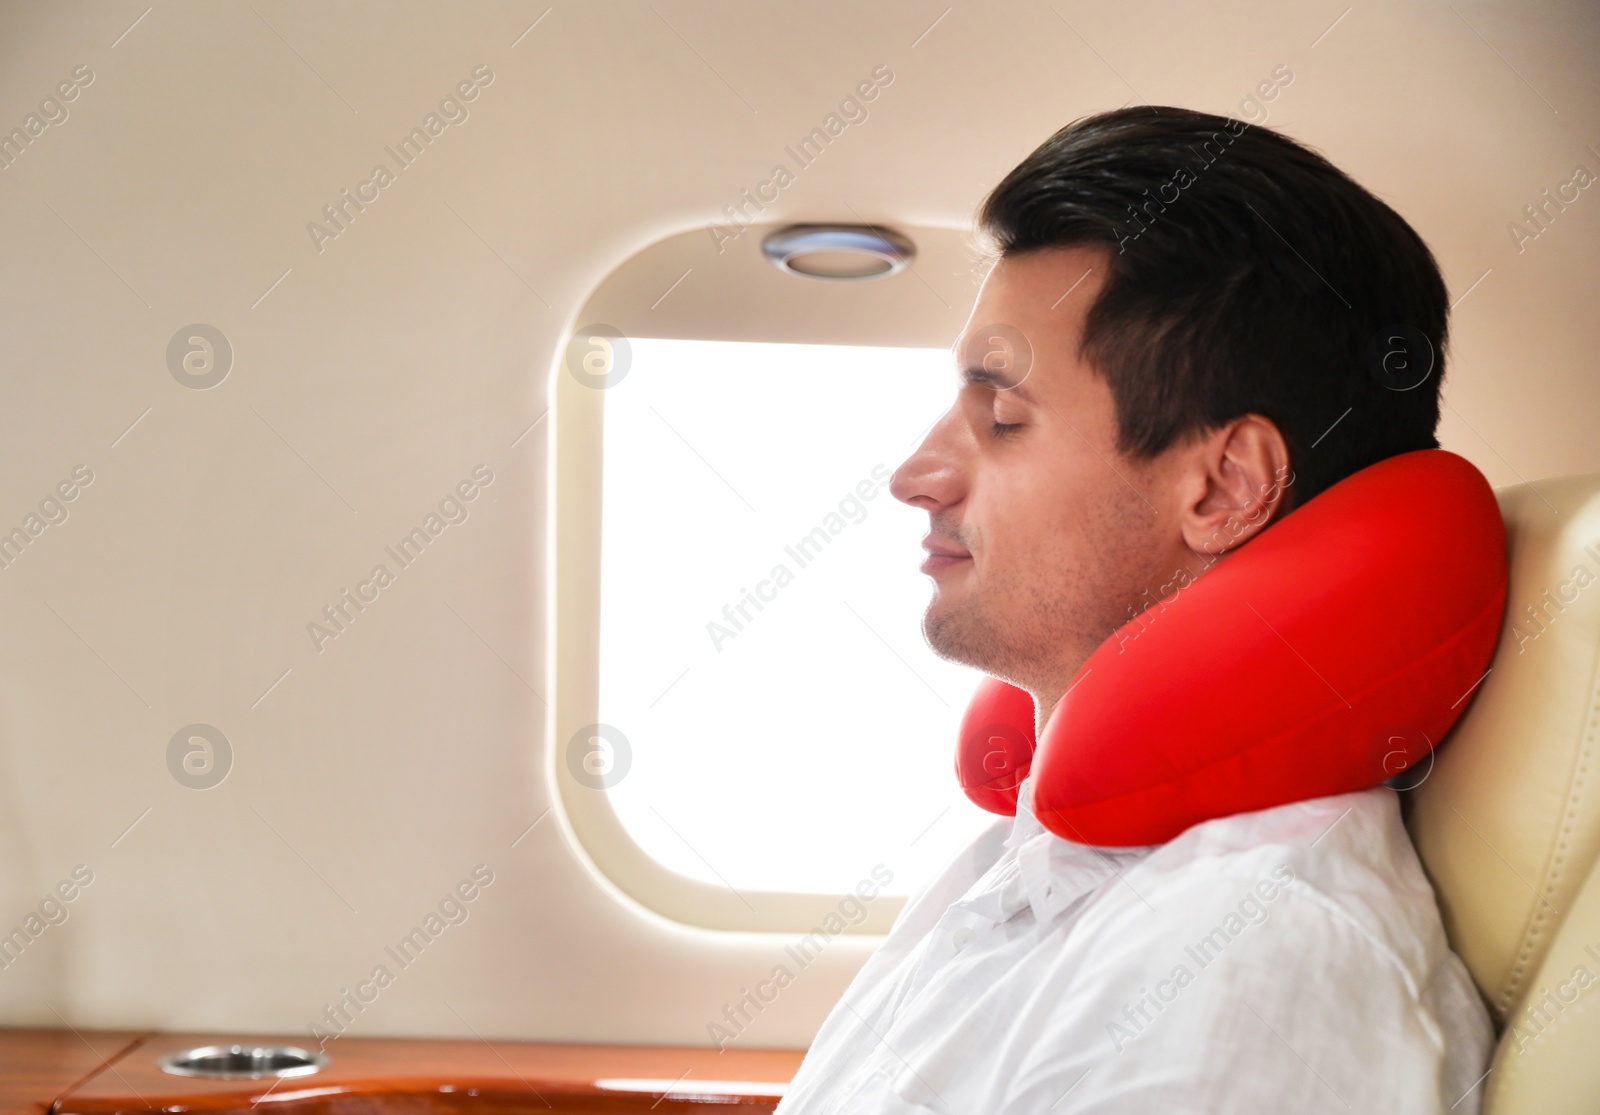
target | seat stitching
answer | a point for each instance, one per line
(1513, 1061)
(1538, 929)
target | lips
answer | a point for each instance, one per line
(942, 555)
(937, 548)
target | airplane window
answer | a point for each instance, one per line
(761, 655)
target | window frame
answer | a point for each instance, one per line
(740, 297)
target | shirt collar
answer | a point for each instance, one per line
(1043, 871)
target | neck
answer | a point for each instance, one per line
(1043, 706)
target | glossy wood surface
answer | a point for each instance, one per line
(37, 1066)
(100, 1073)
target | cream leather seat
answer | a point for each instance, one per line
(1507, 822)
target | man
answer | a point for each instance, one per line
(1172, 351)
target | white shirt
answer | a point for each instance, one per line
(1287, 960)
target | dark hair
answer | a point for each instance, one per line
(1248, 275)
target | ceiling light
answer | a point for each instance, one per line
(839, 252)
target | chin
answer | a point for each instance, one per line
(1009, 645)
(957, 633)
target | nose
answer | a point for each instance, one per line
(931, 478)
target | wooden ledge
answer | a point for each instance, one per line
(62, 1072)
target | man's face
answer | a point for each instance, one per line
(1061, 530)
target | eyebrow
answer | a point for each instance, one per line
(971, 376)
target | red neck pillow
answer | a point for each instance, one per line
(1326, 655)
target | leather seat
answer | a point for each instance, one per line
(1507, 822)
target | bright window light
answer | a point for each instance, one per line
(797, 744)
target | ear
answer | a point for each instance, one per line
(1236, 483)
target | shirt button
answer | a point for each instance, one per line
(963, 937)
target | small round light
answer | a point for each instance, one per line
(839, 252)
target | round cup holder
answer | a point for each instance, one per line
(243, 1062)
